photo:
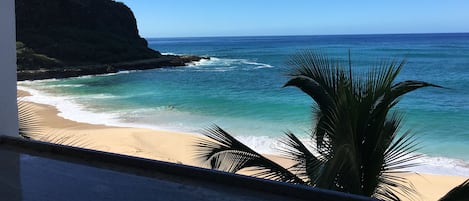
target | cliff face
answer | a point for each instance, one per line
(78, 32)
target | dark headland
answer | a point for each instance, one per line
(69, 38)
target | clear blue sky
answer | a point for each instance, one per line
(182, 18)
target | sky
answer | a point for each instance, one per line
(196, 18)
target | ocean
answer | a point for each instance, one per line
(240, 89)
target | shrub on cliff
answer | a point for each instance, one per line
(27, 59)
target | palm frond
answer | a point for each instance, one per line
(62, 137)
(404, 87)
(307, 166)
(391, 97)
(222, 151)
(312, 88)
(393, 187)
(319, 77)
(400, 154)
(28, 122)
(458, 193)
(31, 127)
(319, 68)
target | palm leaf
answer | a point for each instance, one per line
(307, 165)
(222, 151)
(312, 88)
(399, 155)
(458, 193)
(31, 127)
(29, 123)
(390, 98)
(317, 66)
(319, 77)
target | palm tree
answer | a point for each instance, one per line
(357, 146)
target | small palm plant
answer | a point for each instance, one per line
(357, 146)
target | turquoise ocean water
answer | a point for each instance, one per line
(240, 89)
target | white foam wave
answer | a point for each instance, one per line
(107, 74)
(215, 61)
(170, 53)
(202, 62)
(259, 65)
(99, 96)
(70, 109)
(123, 72)
(35, 82)
(65, 86)
(225, 64)
(261, 144)
(442, 166)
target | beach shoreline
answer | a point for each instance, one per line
(172, 146)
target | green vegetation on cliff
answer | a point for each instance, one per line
(29, 58)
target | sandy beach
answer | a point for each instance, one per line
(173, 146)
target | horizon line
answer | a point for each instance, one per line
(288, 35)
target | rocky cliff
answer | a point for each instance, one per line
(55, 34)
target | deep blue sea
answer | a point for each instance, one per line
(240, 89)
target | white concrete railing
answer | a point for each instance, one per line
(8, 106)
